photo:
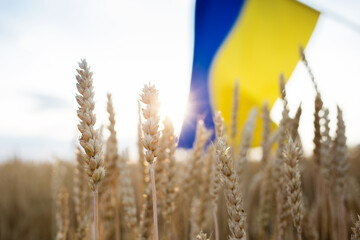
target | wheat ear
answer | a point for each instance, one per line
(356, 229)
(201, 137)
(246, 139)
(282, 206)
(191, 175)
(81, 229)
(205, 185)
(317, 131)
(237, 217)
(62, 215)
(80, 197)
(266, 131)
(266, 194)
(57, 178)
(215, 173)
(127, 194)
(201, 236)
(317, 152)
(144, 165)
(160, 168)
(110, 211)
(309, 225)
(325, 198)
(194, 217)
(169, 188)
(340, 171)
(318, 108)
(145, 216)
(306, 63)
(79, 188)
(292, 157)
(325, 149)
(267, 185)
(89, 140)
(150, 140)
(295, 124)
(234, 116)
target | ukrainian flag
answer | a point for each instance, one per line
(249, 40)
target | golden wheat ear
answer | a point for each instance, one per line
(90, 139)
(169, 186)
(292, 157)
(108, 190)
(127, 195)
(237, 216)
(62, 216)
(201, 236)
(356, 229)
(150, 139)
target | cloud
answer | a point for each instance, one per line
(35, 148)
(48, 102)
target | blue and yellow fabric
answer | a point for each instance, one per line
(253, 41)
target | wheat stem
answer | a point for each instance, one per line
(152, 176)
(96, 215)
(216, 225)
(117, 218)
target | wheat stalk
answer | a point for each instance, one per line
(317, 131)
(292, 157)
(62, 216)
(216, 172)
(201, 137)
(194, 217)
(266, 194)
(324, 216)
(309, 225)
(234, 203)
(150, 139)
(201, 236)
(169, 187)
(109, 184)
(127, 194)
(81, 229)
(246, 140)
(306, 63)
(80, 197)
(161, 162)
(340, 170)
(266, 131)
(356, 229)
(295, 124)
(317, 113)
(145, 216)
(234, 116)
(79, 188)
(144, 165)
(89, 140)
(282, 207)
(191, 177)
(204, 187)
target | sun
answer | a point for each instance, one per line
(173, 105)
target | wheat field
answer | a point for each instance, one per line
(216, 192)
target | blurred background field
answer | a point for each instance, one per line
(28, 211)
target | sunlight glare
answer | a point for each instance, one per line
(173, 105)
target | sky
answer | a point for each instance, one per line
(129, 43)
